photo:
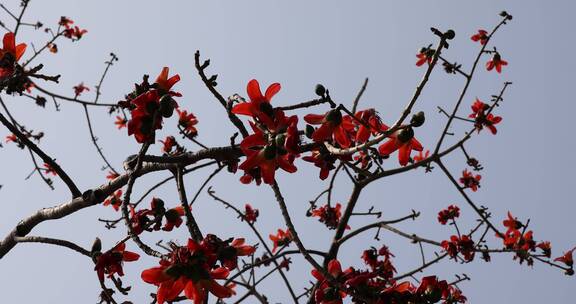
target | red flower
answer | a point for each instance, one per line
(323, 160)
(470, 181)
(512, 223)
(65, 22)
(49, 169)
(259, 107)
(120, 122)
(425, 56)
(496, 62)
(326, 294)
(268, 152)
(421, 156)
(432, 290)
(10, 54)
(79, 89)
(463, 245)
(481, 119)
(187, 122)
(333, 124)
(112, 175)
(189, 269)
(373, 125)
(11, 138)
(403, 141)
(566, 258)
(329, 215)
(282, 238)
(114, 200)
(144, 120)
(164, 84)
(168, 143)
(173, 218)
(74, 33)
(250, 214)
(481, 36)
(450, 213)
(546, 248)
(110, 262)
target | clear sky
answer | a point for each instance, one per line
(528, 165)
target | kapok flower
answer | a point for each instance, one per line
(74, 33)
(250, 214)
(481, 119)
(120, 122)
(481, 36)
(79, 89)
(187, 122)
(447, 214)
(165, 83)
(65, 22)
(10, 54)
(432, 290)
(323, 160)
(259, 107)
(462, 244)
(114, 200)
(333, 124)
(173, 218)
(190, 269)
(546, 248)
(110, 262)
(145, 119)
(49, 170)
(402, 140)
(496, 62)
(421, 156)
(329, 215)
(566, 258)
(168, 143)
(373, 125)
(512, 223)
(272, 150)
(325, 293)
(425, 56)
(470, 181)
(281, 239)
(11, 138)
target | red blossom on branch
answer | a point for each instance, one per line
(496, 63)
(481, 119)
(481, 36)
(10, 54)
(470, 180)
(110, 262)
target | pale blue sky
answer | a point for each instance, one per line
(528, 165)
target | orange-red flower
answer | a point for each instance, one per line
(259, 107)
(11, 138)
(173, 218)
(482, 120)
(496, 62)
(190, 269)
(120, 122)
(447, 214)
(332, 124)
(74, 33)
(325, 293)
(187, 122)
(165, 83)
(403, 141)
(250, 214)
(114, 200)
(282, 238)
(168, 143)
(78, 89)
(110, 262)
(425, 56)
(329, 215)
(372, 125)
(112, 175)
(470, 181)
(10, 54)
(481, 36)
(566, 258)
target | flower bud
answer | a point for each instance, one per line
(405, 134)
(334, 116)
(96, 246)
(449, 35)
(309, 131)
(320, 90)
(418, 119)
(167, 105)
